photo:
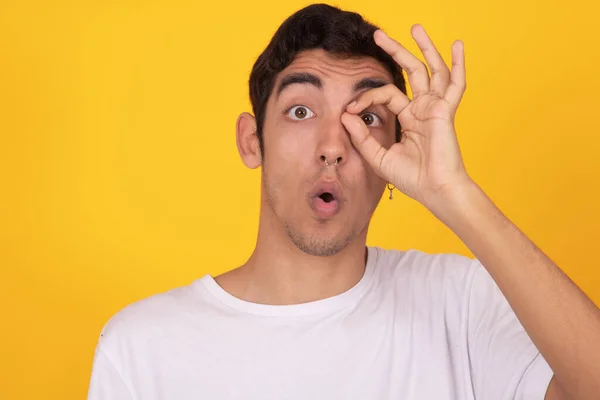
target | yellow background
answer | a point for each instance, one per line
(120, 176)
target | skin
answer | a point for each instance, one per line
(299, 258)
(298, 145)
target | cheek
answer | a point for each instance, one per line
(291, 143)
(376, 185)
(287, 154)
(366, 183)
(386, 135)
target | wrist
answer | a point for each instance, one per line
(457, 204)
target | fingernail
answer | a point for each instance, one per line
(352, 104)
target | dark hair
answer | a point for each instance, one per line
(318, 26)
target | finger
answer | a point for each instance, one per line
(440, 74)
(388, 95)
(458, 82)
(418, 77)
(369, 147)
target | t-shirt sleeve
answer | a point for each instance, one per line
(106, 382)
(504, 363)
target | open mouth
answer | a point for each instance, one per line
(325, 205)
(327, 197)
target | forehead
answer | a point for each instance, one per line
(330, 67)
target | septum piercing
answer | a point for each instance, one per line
(337, 160)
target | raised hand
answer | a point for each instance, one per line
(427, 161)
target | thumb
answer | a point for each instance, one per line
(364, 142)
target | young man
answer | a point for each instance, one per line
(314, 313)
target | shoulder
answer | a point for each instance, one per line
(415, 264)
(426, 276)
(149, 318)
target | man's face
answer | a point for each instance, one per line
(321, 208)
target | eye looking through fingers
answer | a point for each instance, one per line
(372, 120)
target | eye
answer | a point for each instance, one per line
(298, 113)
(371, 119)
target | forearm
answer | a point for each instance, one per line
(561, 320)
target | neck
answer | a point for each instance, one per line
(278, 273)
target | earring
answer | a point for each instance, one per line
(391, 189)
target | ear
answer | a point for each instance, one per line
(247, 140)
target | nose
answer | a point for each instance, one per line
(333, 144)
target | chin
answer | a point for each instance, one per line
(320, 243)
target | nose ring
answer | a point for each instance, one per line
(337, 160)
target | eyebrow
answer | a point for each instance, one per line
(369, 83)
(311, 79)
(300, 77)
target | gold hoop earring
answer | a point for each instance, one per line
(391, 189)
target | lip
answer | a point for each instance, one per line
(321, 208)
(323, 186)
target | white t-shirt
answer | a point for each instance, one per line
(416, 326)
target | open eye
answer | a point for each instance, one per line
(371, 119)
(298, 113)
